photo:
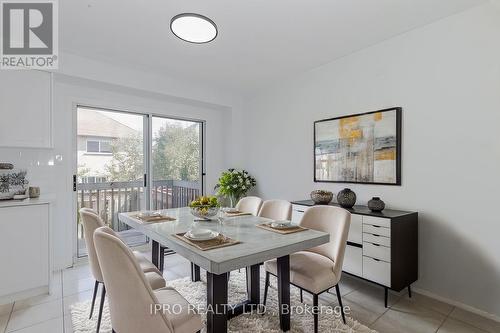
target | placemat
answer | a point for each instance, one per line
(154, 219)
(220, 241)
(283, 231)
(234, 214)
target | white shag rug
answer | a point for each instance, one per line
(195, 293)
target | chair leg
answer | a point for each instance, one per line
(301, 297)
(101, 307)
(315, 312)
(162, 258)
(266, 286)
(339, 297)
(96, 286)
(409, 291)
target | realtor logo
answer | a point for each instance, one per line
(29, 34)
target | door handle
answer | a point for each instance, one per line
(74, 183)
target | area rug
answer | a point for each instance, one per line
(195, 293)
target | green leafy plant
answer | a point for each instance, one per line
(234, 184)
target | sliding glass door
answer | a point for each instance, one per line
(128, 162)
(176, 159)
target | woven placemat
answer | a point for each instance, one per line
(154, 219)
(234, 214)
(284, 231)
(218, 242)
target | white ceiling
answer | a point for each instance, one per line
(259, 40)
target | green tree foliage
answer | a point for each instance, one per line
(176, 153)
(127, 163)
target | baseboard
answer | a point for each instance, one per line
(457, 304)
(24, 295)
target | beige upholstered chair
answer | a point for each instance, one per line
(249, 205)
(132, 300)
(91, 221)
(276, 210)
(318, 269)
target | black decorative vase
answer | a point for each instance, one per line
(376, 205)
(346, 198)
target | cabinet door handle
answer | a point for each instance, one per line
(300, 211)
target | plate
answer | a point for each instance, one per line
(201, 236)
(281, 224)
(149, 214)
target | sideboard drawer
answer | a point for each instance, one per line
(377, 251)
(297, 213)
(377, 239)
(377, 270)
(353, 260)
(379, 221)
(376, 230)
(356, 229)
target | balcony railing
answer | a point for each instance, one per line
(111, 198)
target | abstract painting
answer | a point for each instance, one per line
(363, 148)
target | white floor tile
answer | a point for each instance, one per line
(23, 304)
(455, 326)
(4, 319)
(76, 273)
(68, 326)
(77, 286)
(475, 320)
(398, 320)
(426, 302)
(80, 297)
(371, 297)
(50, 326)
(34, 315)
(6, 308)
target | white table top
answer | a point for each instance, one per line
(257, 245)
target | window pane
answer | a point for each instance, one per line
(105, 147)
(92, 146)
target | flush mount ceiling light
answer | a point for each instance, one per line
(193, 28)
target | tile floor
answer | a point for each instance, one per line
(419, 314)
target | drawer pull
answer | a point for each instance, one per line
(376, 235)
(376, 259)
(376, 226)
(375, 244)
(300, 211)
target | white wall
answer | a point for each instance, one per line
(446, 76)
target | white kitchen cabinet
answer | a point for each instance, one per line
(25, 255)
(25, 109)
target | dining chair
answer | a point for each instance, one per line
(91, 222)
(250, 205)
(134, 306)
(278, 210)
(318, 269)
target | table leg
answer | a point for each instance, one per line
(216, 303)
(195, 272)
(155, 253)
(253, 284)
(284, 292)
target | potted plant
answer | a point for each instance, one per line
(234, 184)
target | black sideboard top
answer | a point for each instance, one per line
(362, 210)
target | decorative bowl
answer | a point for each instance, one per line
(321, 197)
(204, 211)
(346, 198)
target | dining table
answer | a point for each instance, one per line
(255, 246)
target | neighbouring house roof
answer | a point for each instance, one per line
(95, 123)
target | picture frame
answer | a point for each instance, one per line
(363, 148)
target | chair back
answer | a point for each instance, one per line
(335, 221)
(276, 210)
(131, 299)
(91, 222)
(249, 205)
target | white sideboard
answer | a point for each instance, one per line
(381, 247)
(25, 255)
